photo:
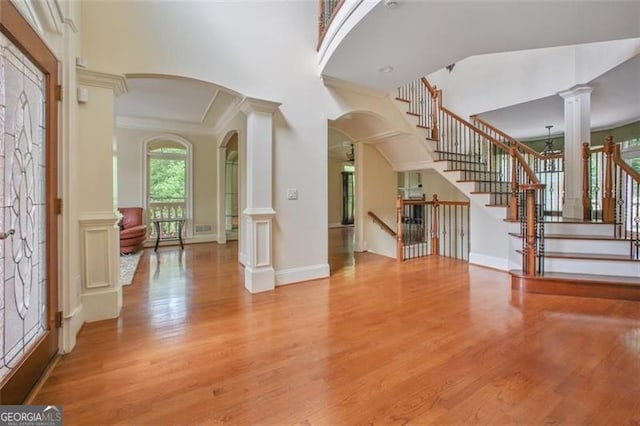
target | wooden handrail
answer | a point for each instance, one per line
(516, 142)
(432, 89)
(383, 225)
(619, 161)
(442, 203)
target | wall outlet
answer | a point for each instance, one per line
(292, 194)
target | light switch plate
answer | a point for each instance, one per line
(292, 194)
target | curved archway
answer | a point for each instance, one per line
(229, 187)
(175, 150)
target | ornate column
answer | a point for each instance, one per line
(101, 292)
(259, 274)
(577, 121)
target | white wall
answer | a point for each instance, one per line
(379, 191)
(434, 183)
(487, 82)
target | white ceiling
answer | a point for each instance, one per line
(615, 100)
(419, 37)
(177, 101)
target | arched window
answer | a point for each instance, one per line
(168, 181)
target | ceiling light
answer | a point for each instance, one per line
(386, 69)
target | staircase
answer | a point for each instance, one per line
(587, 258)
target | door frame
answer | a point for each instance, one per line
(13, 26)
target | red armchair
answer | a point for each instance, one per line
(133, 231)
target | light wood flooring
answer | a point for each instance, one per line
(429, 341)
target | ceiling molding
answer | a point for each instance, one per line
(383, 137)
(258, 105)
(228, 115)
(410, 166)
(211, 102)
(158, 125)
(337, 83)
(117, 83)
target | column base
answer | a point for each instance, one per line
(573, 209)
(102, 305)
(259, 279)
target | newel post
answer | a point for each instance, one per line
(534, 232)
(512, 212)
(435, 232)
(586, 179)
(399, 209)
(608, 202)
(435, 95)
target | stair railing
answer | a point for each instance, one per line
(532, 228)
(381, 223)
(432, 228)
(549, 168)
(611, 192)
(423, 100)
(499, 168)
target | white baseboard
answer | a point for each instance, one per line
(489, 261)
(101, 305)
(242, 258)
(70, 328)
(202, 238)
(305, 273)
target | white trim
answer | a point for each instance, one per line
(70, 328)
(206, 111)
(489, 261)
(412, 166)
(209, 237)
(189, 183)
(383, 137)
(305, 273)
(258, 105)
(232, 110)
(338, 83)
(259, 212)
(338, 225)
(87, 77)
(101, 305)
(157, 125)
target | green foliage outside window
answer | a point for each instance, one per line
(167, 178)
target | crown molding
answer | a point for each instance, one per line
(115, 82)
(158, 125)
(337, 83)
(258, 105)
(383, 137)
(578, 89)
(228, 115)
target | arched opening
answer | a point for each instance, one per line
(168, 165)
(232, 189)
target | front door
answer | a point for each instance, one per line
(28, 222)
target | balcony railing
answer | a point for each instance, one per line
(327, 10)
(166, 209)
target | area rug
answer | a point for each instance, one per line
(128, 266)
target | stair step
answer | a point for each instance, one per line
(582, 285)
(403, 100)
(415, 114)
(578, 228)
(587, 256)
(574, 237)
(585, 244)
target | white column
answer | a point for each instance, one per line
(101, 292)
(259, 274)
(577, 121)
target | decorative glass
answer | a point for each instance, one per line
(23, 295)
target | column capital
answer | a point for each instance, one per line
(258, 105)
(259, 212)
(580, 89)
(91, 78)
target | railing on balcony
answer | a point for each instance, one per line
(167, 208)
(327, 10)
(434, 227)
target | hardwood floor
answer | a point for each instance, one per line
(429, 341)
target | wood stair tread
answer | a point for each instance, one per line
(581, 285)
(583, 278)
(403, 100)
(574, 237)
(586, 256)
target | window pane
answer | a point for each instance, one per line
(167, 179)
